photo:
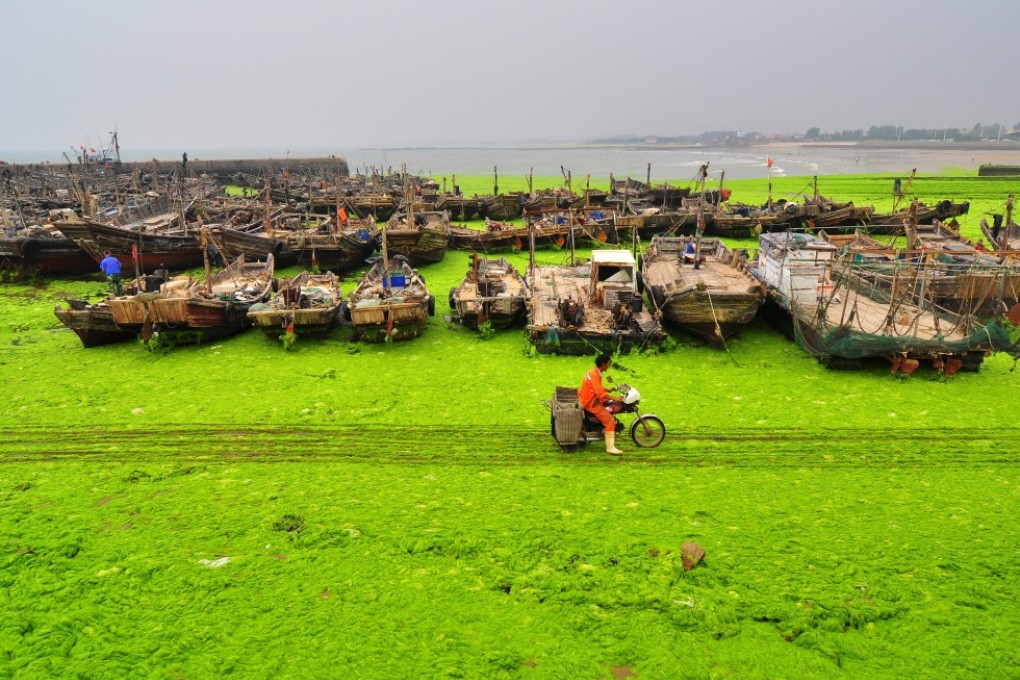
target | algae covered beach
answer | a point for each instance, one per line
(401, 510)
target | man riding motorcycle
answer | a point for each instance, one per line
(593, 397)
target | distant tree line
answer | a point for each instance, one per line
(979, 132)
(710, 137)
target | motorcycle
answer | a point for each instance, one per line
(573, 427)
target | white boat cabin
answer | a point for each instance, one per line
(612, 274)
(797, 266)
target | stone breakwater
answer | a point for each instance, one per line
(228, 170)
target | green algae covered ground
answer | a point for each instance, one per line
(402, 511)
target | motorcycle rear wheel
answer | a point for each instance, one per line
(648, 431)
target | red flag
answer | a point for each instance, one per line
(770, 162)
(134, 251)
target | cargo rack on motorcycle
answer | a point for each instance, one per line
(567, 415)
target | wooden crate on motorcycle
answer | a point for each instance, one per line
(567, 415)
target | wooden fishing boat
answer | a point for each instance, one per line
(308, 306)
(495, 237)
(390, 302)
(194, 310)
(152, 236)
(501, 206)
(493, 292)
(96, 324)
(321, 243)
(830, 214)
(419, 237)
(735, 225)
(93, 324)
(543, 203)
(938, 266)
(49, 254)
(590, 308)
(840, 322)
(379, 207)
(254, 239)
(892, 222)
(459, 207)
(595, 226)
(712, 300)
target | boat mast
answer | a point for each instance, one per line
(1004, 234)
(409, 198)
(17, 201)
(267, 220)
(910, 227)
(570, 213)
(531, 247)
(204, 239)
(899, 194)
(701, 216)
(184, 172)
(116, 146)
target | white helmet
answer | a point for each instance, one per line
(631, 396)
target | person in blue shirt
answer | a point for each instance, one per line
(110, 266)
(689, 254)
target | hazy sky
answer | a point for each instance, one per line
(203, 74)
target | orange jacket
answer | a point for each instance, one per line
(592, 392)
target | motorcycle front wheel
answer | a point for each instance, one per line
(648, 431)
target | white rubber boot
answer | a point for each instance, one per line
(611, 444)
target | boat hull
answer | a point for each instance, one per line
(399, 321)
(47, 256)
(419, 246)
(175, 252)
(93, 326)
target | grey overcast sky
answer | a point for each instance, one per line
(204, 74)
